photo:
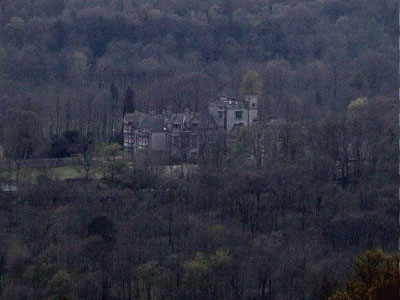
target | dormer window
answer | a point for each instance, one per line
(195, 125)
(253, 105)
(220, 114)
(238, 115)
(175, 126)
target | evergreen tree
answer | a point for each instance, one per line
(114, 92)
(129, 106)
(251, 84)
(114, 103)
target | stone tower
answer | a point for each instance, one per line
(230, 113)
(252, 101)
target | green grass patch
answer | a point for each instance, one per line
(30, 175)
(74, 172)
(67, 172)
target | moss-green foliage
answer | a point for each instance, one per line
(375, 277)
(112, 163)
(251, 84)
(243, 145)
(206, 276)
(59, 287)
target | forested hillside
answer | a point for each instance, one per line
(58, 58)
(279, 215)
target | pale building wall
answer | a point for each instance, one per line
(158, 141)
(253, 108)
(229, 109)
(253, 115)
(231, 118)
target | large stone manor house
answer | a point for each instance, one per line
(186, 135)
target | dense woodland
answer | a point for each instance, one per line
(281, 214)
(58, 58)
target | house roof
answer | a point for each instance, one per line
(133, 118)
(152, 122)
(180, 117)
(206, 121)
(159, 122)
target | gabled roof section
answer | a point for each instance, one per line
(175, 118)
(195, 119)
(206, 121)
(133, 118)
(152, 123)
(159, 122)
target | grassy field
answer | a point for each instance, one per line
(74, 172)
(60, 173)
(67, 172)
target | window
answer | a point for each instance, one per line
(238, 115)
(185, 140)
(175, 141)
(220, 114)
(253, 105)
(143, 142)
(175, 126)
(195, 125)
(194, 141)
(127, 129)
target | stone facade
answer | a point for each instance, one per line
(185, 136)
(181, 136)
(230, 113)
